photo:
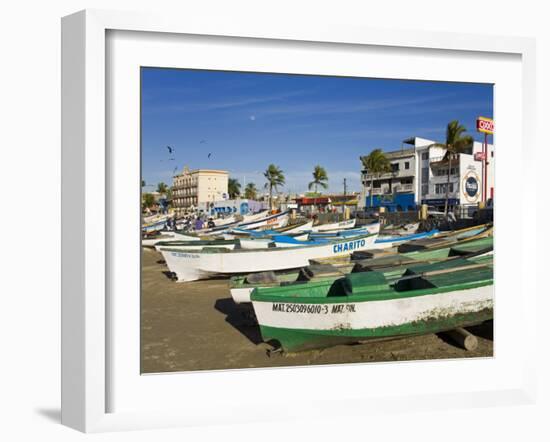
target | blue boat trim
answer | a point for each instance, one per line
(408, 237)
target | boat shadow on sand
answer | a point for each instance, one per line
(241, 317)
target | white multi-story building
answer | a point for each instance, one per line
(419, 176)
(194, 187)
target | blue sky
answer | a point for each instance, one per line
(246, 121)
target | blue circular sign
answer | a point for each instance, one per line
(471, 186)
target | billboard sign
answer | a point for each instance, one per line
(480, 156)
(485, 125)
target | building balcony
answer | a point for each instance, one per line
(386, 176)
(439, 196)
(403, 187)
(443, 178)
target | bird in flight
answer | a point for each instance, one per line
(170, 149)
(202, 141)
(209, 155)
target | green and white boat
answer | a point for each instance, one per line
(241, 286)
(425, 298)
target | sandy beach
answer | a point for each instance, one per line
(197, 326)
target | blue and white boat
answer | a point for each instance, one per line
(192, 265)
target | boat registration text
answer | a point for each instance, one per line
(314, 309)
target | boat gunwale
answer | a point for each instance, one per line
(386, 294)
(211, 252)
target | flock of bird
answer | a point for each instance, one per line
(171, 153)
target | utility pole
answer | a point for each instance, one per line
(345, 193)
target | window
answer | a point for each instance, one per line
(395, 167)
(425, 175)
(425, 155)
(442, 188)
(406, 165)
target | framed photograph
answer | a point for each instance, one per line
(291, 217)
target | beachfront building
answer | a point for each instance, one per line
(194, 187)
(396, 189)
(419, 176)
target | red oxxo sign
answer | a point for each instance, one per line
(480, 156)
(485, 125)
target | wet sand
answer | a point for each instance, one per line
(197, 326)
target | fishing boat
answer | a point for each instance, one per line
(151, 219)
(364, 306)
(240, 232)
(384, 242)
(342, 225)
(193, 265)
(265, 241)
(152, 240)
(153, 227)
(295, 228)
(445, 239)
(441, 240)
(241, 286)
(347, 233)
(224, 221)
(198, 245)
(473, 248)
(255, 216)
(271, 222)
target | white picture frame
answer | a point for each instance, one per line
(86, 316)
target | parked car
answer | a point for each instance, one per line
(434, 212)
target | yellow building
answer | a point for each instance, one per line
(192, 187)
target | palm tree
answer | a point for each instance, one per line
(162, 188)
(376, 164)
(250, 191)
(455, 143)
(233, 188)
(275, 177)
(148, 200)
(320, 178)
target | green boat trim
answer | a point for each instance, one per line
(373, 286)
(293, 340)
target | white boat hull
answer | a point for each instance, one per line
(256, 216)
(197, 247)
(342, 225)
(224, 221)
(168, 236)
(373, 314)
(241, 295)
(190, 266)
(302, 228)
(258, 243)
